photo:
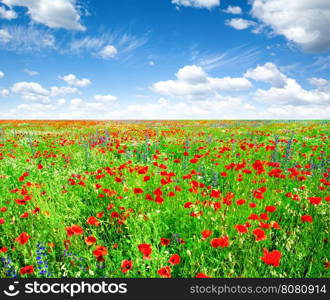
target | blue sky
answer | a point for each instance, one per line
(164, 59)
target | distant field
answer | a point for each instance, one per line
(164, 199)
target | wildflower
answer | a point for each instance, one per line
(165, 272)
(165, 242)
(220, 242)
(174, 259)
(146, 250)
(23, 238)
(126, 265)
(241, 228)
(201, 275)
(307, 218)
(90, 240)
(272, 258)
(260, 234)
(27, 270)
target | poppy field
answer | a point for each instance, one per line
(151, 199)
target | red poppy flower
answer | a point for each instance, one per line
(260, 234)
(220, 242)
(27, 270)
(206, 234)
(23, 238)
(2, 221)
(264, 216)
(126, 265)
(272, 258)
(74, 230)
(270, 208)
(174, 259)
(165, 272)
(307, 218)
(201, 275)
(146, 250)
(138, 191)
(240, 202)
(100, 251)
(165, 242)
(241, 228)
(315, 200)
(3, 249)
(93, 221)
(90, 240)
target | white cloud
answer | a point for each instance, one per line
(193, 83)
(84, 107)
(239, 23)
(197, 3)
(30, 72)
(321, 83)
(267, 73)
(108, 52)
(2, 74)
(27, 39)
(32, 91)
(303, 22)
(7, 14)
(62, 91)
(297, 112)
(54, 14)
(4, 93)
(72, 79)
(235, 10)
(5, 36)
(106, 98)
(61, 101)
(292, 94)
(97, 46)
(287, 91)
(35, 108)
(192, 74)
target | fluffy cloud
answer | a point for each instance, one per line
(7, 14)
(2, 74)
(193, 83)
(297, 112)
(197, 3)
(108, 52)
(292, 93)
(235, 10)
(61, 101)
(32, 91)
(4, 93)
(86, 108)
(5, 36)
(267, 73)
(321, 83)
(54, 14)
(72, 79)
(287, 91)
(239, 23)
(106, 98)
(303, 22)
(62, 91)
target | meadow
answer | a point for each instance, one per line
(177, 199)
